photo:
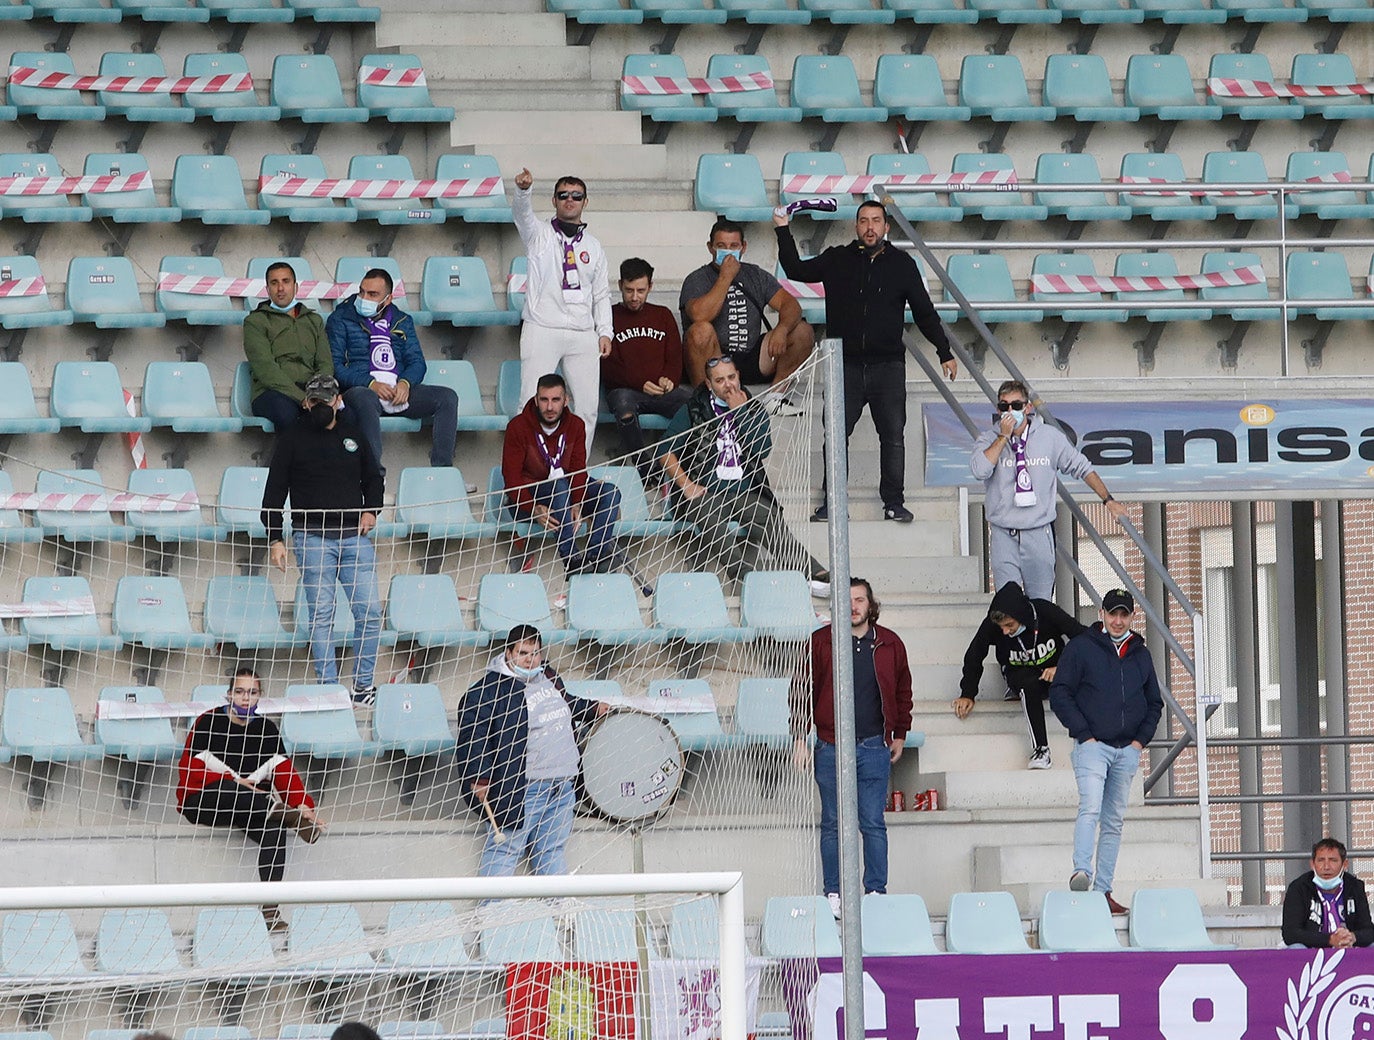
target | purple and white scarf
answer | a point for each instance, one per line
(729, 456)
(1025, 493)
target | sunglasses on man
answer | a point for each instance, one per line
(1006, 406)
(575, 196)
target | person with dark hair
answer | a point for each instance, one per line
(234, 772)
(381, 369)
(643, 372)
(882, 716)
(869, 284)
(567, 312)
(1327, 906)
(724, 308)
(544, 466)
(1028, 635)
(354, 1031)
(518, 756)
(286, 347)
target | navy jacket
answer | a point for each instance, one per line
(493, 730)
(1104, 695)
(350, 344)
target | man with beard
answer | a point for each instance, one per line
(643, 372)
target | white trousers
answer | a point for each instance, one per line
(542, 350)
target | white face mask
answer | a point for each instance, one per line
(1327, 884)
(1019, 630)
(527, 673)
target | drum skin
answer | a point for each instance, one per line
(631, 765)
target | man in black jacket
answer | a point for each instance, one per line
(1327, 906)
(868, 286)
(1029, 635)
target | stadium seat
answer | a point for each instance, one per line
(240, 106)
(984, 922)
(596, 12)
(307, 87)
(402, 211)
(136, 941)
(662, 108)
(349, 271)
(508, 400)
(432, 502)
(1262, 10)
(196, 308)
(249, 11)
(605, 607)
(330, 734)
(1222, 168)
(457, 289)
(1161, 85)
(507, 600)
(1168, 168)
(476, 209)
(515, 299)
(240, 500)
(521, 941)
(1144, 265)
(437, 943)
(1076, 922)
(28, 312)
(344, 624)
(748, 106)
(1180, 12)
(38, 209)
(985, 278)
(846, 12)
(1170, 919)
(257, 270)
(762, 713)
(634, 519)
(94, 525)
(424, 609)
(676, 700)
(134, 106)
(230, 937)
(814, 164)
(1212, 262)
(104, 292)
(992, 205)
(87, 394)
(777, 605)
(916, 206)
(1078, 86)
(39, 943)
(1338, 11)
(909, 87)
(152, 612)
(731, 185)
(680, 12)
(328, 937)
(76, 11)
(56, 103)
(1324, 205)
(1252, 67)
(178, 526)
(243, 610)
(1097, 12)
(13, 529)
(162, 11)
(411, 718)
(40, 723)
(931, 12)
(209, 188)
(1323, 276)
(300, 209)
(64, 632)
(799, 926)
(1015, 12)
(1075, 168)
(896, 926)
(813, 310)
(138, 740)
(691, 607)
(335, 11)
(400, 104)
(1329, 70)
(605, 934)
(138, 206)
(764, 12)
(826, 86)
(694, 930)
(994, 86)
(461, 378)
(18, 410)
(1071, 264)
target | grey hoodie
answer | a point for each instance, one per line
(1048, 454)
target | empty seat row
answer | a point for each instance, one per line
(233, 11)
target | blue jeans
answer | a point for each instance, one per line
(600, 509)
(352, 562)
(1104, 775)
(544, 835)
(874, 766)
(438, 402)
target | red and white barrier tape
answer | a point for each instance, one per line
(376, 76)
(342, 188)
(665, 85)
(256, 288)
(224, 83)
(189, 709)
(96, 502)
(1220, 86)
(803, 290)
(84, 185)
(135, 439)
(517, 283)
(34, 286)
(1251, 274)
(859, 184)
(77, 606)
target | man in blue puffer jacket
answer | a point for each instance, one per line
(1106, 694)
(379, 366)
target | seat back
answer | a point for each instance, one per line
(1143, 265)
(1327, 70)
(603, 603)
(39, 942)
(86, 390)
(25, 164)
(452, 284)
(1236, 168)
(981, 278)
(651, 66)
(133, 64)
(412, 717)
(38, 718)
(118, 164)
(433, 495)
(908, 81)
(690, 601)
(180, 304)
(1324, 166)
(515, 298)
(1072, 921)
(989, 81)
(1159, 80)
(694, 930)
(507, 600)
(762, 711)
(102, 285)
(825, 81)
(460, 377)
(208, 182)
(722, 65)
(455, 166)
(310, 167)
(383, 168)
(534, 939)
(331, 733)
(135, 941)
(424, 934)
(140, 740)
(811, 164)
(799, 926)
(19, 268)
(1168, 919)
(605, 934)
(331, 935)
(178, 390)
(230, 937)
(1217, 262)
(240, 499)
(729, 181)
(217, 64)
(61, 590)
(147, 606)
(306, 81)
(382, 99)
(984, 922)
(777, 604)
(16, 392)
(1077, 80)
(423, 604)
(55, 62)
(242, 609)
(896, 926)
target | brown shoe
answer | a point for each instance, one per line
(292, 818)
(1114, 906)
(272, 915)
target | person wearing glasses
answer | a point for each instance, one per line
(1019, 462)
(567, 312)
(234, 772)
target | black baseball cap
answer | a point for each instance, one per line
(1118, 599)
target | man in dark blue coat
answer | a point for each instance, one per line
(1106, 694)
(379, 365)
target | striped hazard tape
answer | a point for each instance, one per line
(34, 286)
(224, 83)
(98, 502)
(670, 85)
(256, 288)
(1251, 274)
(1220, 86)
(377, 76)
(859, 184)
(84, 185)
(344, 188)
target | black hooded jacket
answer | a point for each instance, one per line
(1048, 630)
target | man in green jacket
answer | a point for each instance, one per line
(286, 346)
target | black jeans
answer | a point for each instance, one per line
(764, 530)
(881, 385)
(227, 804)
(1027, 682)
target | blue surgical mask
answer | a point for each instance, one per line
(1327, 884)
(284, 310)
(1018, 416)
(718, 402)
(366, 308)
(1018, 631)
(527, 673)
(721, 254)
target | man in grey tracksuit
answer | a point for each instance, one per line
(1019, 462)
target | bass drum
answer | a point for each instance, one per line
(631, 765)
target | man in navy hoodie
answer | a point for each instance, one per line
(1106, 694)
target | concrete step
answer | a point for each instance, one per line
(869, 538)
(507, 63)
(472, 28)
(554, 127)
(930, 574)
(1043, 788)
(592, 162)
(1155, 862)
(943, 753)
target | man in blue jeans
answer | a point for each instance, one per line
(335, 486)
(882, 716)
(1106, 694)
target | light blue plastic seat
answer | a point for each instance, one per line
(75, 11)
(915, 205)
(411, 718)
(1078, 86)
(70, 632)
(138, 206)
(39, 943)
(249, 11)
(994, 86)
(300, 209)
(135, 941)
(508, 400)
(242, 610)
(896, 926)
(984, 922)
(1338, 11)
(138, 740)
(181, 395)
(826, 86)
(1329, 70)
(605, 934)
(496, 506)
(1015, 12)
(1161, 85)
(1097, 12)
(16, 13)
(209, 188)
(152, 612)
(1324, 276)
(475, 209)
(1166, 167)
(197, 309)
(58, 103)
(139, 107)
(532, 939)
(1252, 67)
(89, 525)
(461, 378)
(1222, 168)
(762, 712)
(931, 12)
(695, 730)
(412, 1029)
(1180, 12)
(331, 936)
(1263, 10)
(169, 526)
(992, 205)
(1075, 168)
(985, 278)
(1228, 261)
(813, 310)
(507, 600)
(1170, 919)
(335, 11)
(909, 87)
(240, 500)
(777, 605)
(424, 609)
(680, 12)
(87, 394)
(432, 502)
(817, 164)
(18, 410)
(1144, 265)
(349, 270)
(764, 12)
(400, 104)
(217, 1033)
(405, 211)
(28, 312)
(799, 926)
(1076, 922)
(748, 106)
(694, 930)
(307, 87)
(13, 529)
(40, 722)
(605, 607)
(1324, 205)
(412, 943)
(457, 289)
(731, 185)
(239, 106)
(846, 12)
(241, 399)
(229, 937)
(330, 734)
(691, 607)
(38, 209)
(104, 292)
(161, 11)
(595, 12)
(1071, 265)
(635, 521)
(662, 108)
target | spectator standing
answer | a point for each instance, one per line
(286, 347)
(1327, 906)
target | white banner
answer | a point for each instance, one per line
(685, 996)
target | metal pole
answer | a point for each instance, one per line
(842, 657)
(1202, 687)
(1245, 633)
(1333, 647)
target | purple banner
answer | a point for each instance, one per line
(1135, 994)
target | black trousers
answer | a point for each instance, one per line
(881, 386)
(1033, 690)
(227, 804)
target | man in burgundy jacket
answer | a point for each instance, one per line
(544, 467)
(882, 716)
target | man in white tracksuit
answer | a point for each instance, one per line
(567, 313)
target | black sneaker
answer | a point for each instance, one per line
(364, 695)
(821, 515)
(901, 514)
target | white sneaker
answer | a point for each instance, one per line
(1040, 759)
(820, 589)
(783, 406)
(833, 898)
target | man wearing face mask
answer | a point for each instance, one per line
(335, 486)
(380, 367)
(1019, 462)
(1107, 696)
(1326, 908)
(868, 286)
(285, 344)
(567, 312)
